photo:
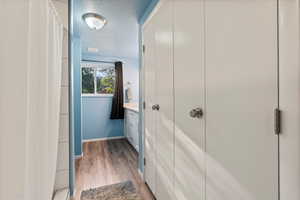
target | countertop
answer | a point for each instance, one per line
(132, 106)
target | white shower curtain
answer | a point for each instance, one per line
(30, 75)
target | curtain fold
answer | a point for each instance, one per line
(117, 110)
(44, 86)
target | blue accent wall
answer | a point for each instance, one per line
(77, 95)
(119, 37)
(87, 124)
(148, 11)
(76, 75)
(96, 122)
(74, 94)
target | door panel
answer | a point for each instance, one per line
(150, 98)
(164, 88)
(241, 95)
(189, 94)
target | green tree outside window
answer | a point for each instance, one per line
(103, 78)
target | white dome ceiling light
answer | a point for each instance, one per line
(94, 21)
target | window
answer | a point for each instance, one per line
(97, 79)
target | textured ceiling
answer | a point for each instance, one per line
(119, 38)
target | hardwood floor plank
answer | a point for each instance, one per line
(108, 162)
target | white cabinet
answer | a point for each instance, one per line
(219, 57)
(131, 122)
(241, 96)
(189, 94)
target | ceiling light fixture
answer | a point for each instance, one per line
(94, 21)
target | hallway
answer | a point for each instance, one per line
(106, 163)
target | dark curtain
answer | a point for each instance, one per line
(117, 110)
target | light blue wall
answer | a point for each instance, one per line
(74, 94)
(76, 76)
(77, 95)
(96, 122)
(76, 10)
(147, 11)
(142, 20)
(119, 37)
(130, 70)
(79, 126)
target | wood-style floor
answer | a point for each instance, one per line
(108, 162)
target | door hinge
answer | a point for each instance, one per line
(144, 161)
(144, 105)
(144, 48)
(277, 121)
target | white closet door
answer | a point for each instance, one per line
(165, 98)
(189, 95)
(241, 74)
(150, 99)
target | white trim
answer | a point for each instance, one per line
(141, 174)
(104, 139)
(62, 194)
(142, 85)
(78, 156)
(97, 65)
(97, 95)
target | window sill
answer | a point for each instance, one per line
(97, 95)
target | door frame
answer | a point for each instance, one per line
(143, 84)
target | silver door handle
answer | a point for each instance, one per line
(196, 113)
(155, 107)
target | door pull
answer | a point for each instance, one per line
(196, 113)
(156, 107)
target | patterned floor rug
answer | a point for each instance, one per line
(120, 191)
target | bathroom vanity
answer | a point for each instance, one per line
(131, 124)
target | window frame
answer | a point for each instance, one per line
(95, 67)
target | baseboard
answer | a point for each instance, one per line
(78, 156)
(104, 139)
(141, 174)
(63, 194)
